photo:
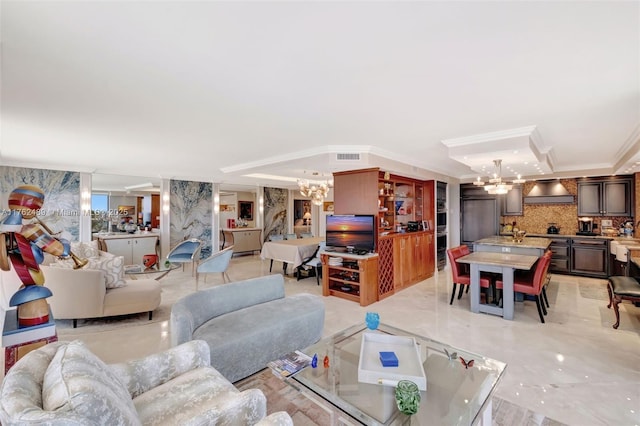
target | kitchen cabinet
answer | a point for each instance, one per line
(605, 197)
(511, 202)
(561, 254)
(441, 225)
(355, 279)
(132, 248)
(590, 257)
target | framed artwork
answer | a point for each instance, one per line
(126, 210)
(227, 208)
(327, 206)
(246, 210)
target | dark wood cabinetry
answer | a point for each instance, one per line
(561, 258)
(605, 197)
(590, 257)
(580, 256)
(511, 202)
(441, 224)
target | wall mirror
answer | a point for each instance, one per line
(118, 198)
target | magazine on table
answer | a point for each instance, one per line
(289, 364)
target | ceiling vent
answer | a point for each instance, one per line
(548, 192)
(348, 156)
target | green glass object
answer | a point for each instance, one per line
(407, 397)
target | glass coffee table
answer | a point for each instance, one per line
(161, 270)
(455, 395)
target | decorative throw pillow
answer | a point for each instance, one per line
(113, 268)
(78, 381)
(85, 250)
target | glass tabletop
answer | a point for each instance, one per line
(455, 395)
(158, 268)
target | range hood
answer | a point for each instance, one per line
(549, 192)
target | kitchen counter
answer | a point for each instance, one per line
(505, 244)
(621, 239)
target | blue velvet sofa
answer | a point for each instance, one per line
(248, 323)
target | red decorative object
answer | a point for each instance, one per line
(150, 260)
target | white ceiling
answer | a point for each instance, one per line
(214, 91)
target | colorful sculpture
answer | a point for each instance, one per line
(23, 239)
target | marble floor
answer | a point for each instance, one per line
(575, 369)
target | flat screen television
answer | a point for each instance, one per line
(356, 230)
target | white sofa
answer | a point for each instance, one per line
(64, 383)
(81, 293)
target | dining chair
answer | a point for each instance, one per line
(291, 237)
(187, 251)
(306, 235)
(527, 276)
(532, 283)
(217, 262)
(460, 272)
(313, 263)
(274, 237)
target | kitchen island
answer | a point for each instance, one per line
(534, 246)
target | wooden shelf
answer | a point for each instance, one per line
(361, 277)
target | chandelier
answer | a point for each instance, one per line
(317, 191)
(496, 184)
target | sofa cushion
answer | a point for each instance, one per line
(137, 296)
(78, 381)
(243, 341)
(200, 397)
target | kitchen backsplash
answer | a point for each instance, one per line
(537, 217)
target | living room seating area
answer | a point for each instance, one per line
(65, 383)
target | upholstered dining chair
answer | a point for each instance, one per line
(527, 276)
(460, 272)
(291, 237)
(306, 235)
(312, 262)
(187, 251)
(217, 262)
(532, 283)
(274, 237)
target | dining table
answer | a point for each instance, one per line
(290, 252)
(496, 262)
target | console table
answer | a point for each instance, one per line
(242, 239)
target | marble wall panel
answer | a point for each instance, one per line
(275, 211)
(61, 208)
(190, 215)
